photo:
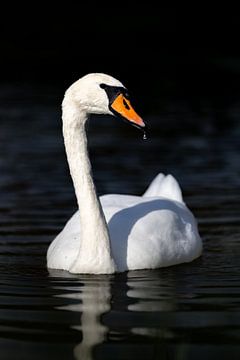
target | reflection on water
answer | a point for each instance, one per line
(95, 302)
(93, 298)
(151, 295)
(190, 311)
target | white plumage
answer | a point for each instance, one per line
(132, 232)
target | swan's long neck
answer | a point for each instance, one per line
(94, 255)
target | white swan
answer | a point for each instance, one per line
(119, 232)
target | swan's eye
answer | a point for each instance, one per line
(126, 104)
(114, 91)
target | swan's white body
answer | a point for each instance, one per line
(132, 232)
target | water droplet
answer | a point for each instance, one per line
(144, 136)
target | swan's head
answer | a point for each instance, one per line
(102, 94)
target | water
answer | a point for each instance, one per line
(190, 311)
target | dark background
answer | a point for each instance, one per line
(160, 52)
(182, 68)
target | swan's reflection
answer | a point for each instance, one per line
(146, 291)
(94, 295)
(152, 293)
(95, 298)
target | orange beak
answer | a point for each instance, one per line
(121, 106)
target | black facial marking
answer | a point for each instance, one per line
(113, 91)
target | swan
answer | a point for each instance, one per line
(116, 233)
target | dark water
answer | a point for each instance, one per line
(190, 311)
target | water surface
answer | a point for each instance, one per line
(190, 311)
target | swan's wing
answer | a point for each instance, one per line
(150, 232)
(164, 186)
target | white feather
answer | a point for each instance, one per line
(120, 232)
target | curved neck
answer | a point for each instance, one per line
(94, 254)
